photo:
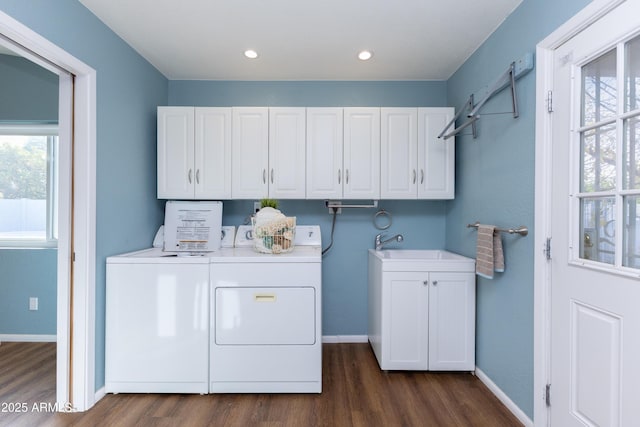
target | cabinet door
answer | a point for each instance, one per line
(405, 321)
(250, 152)
(287, 153)
(399, 151)
(324, 153)
(436, 157)
(361, 153)
(212, 174)
(175, 172)
(452, 314)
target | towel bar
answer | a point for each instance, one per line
(522, 230)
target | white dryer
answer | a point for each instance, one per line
(266, 323)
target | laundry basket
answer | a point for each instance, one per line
(274, 236)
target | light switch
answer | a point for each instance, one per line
(33, 303)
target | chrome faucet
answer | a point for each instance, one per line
(380, 243)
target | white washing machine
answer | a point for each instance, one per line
(157, 321)
(266, 326)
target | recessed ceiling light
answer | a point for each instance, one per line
(251, 54)
(365, 55)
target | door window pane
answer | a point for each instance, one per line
(631, 256)
(598, 168)
(599, 89)
(632, 75)
(631, 153)
(597, 229)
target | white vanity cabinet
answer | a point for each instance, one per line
(194, 153)
(422, 312)
(415, 164)
(268, 153)
(343, 153)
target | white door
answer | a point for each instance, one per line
(250, 152)
(287, 153)
(175, 152)
(324, 153)
(212, 153)
(595, 224)
(436, 156)
(452, 321)
(361, 153)
(399, 152)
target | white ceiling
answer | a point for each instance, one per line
(304, 39)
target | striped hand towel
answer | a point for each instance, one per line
(489, 255)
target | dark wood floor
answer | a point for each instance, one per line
(355, 393)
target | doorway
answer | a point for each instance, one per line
(587, 270)
(76, 213)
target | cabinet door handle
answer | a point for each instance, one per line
(272, 175)
(197, 176)
(339, 176)
(346, 176)
(414, 176)
(426, 283)
(189, 175)
(435, 283)
(421, 176)
(264, 176)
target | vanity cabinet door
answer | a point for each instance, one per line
(405, 321)
(452, 314)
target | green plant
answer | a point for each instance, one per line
(269, 203)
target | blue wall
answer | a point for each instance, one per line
(128, 91)
(495, 185)
(28, 273)
(29, 93)
(344, 268)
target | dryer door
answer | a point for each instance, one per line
(265, 316)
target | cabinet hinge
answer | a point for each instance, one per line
(73, 257)
(547, 395)
(547, 248)
(550, 102)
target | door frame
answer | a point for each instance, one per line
(543, 213)
(75, 366)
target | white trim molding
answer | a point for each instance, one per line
(27, 338)
(511, 406)
(344, 339)
(543, 143)
(79, 79)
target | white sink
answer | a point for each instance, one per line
(421, 260)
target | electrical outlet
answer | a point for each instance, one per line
(256, 207)
(335, 203)
(33, 303)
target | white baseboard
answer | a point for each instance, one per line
(27, 338)
(100, 393)
(332, 339)
(515, 410)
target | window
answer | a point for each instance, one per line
(609, 189)
(28, 185)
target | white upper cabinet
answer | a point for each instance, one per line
(343, 153)
(324, 153)
(415, 163)
(268, 153)
(194, 153)
(399, 153)
(436, 157)
(361, 153)
(250, 153)
(287, 153)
